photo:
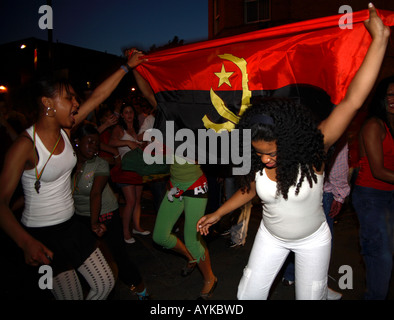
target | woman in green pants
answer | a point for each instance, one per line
(189, 194)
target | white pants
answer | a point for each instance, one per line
(312, 258)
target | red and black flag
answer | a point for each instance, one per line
(210, 84)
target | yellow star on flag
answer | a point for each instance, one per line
(223, 76)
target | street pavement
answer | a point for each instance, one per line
(161, 268)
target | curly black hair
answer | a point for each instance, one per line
(299, 142)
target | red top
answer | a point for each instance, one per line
(104, 138)
(365, 177)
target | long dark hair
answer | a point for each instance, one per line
(300, 145)
(378, 106)
(136, 124)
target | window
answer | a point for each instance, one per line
(257, 10)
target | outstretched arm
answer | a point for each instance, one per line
(335, 125)
(236, 201)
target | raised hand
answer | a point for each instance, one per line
(375, 25)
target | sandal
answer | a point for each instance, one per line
(144, 295)
(189, 268)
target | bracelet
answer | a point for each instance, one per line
(126, 69)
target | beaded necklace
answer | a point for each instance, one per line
(37, 184)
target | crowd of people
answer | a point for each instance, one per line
(80, 209)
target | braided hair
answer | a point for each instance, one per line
(300, 145)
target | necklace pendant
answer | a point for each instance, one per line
(37, 186)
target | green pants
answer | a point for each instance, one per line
(168, 215)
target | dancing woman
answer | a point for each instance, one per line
(43, 157)
(287, 174)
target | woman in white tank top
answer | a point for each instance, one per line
(287, 174)
(44, 158)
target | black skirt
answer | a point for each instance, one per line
(71, 243)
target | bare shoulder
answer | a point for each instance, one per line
(24, 141)
(22, 150)
(373, 126)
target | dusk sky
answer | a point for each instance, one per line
(107, 25)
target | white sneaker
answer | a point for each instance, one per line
(142, 233)
(333, 295)
(129, 241)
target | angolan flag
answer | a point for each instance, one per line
(210, 84)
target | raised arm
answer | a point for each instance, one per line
(145, 88)
(236, 201)
(335, 125)
(104, 90)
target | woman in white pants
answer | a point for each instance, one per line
(268, 255)
(287, 173)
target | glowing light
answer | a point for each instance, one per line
(3, 89)
(23, 46)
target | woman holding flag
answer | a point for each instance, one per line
(43, 158)
(189, 194)
(287, 174)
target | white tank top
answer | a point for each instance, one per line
(295, 218)
(125, 149)
(54, 204)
